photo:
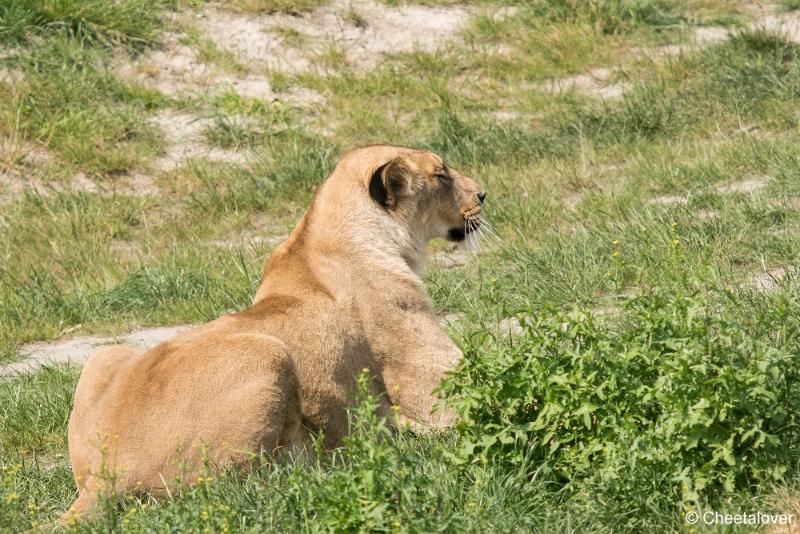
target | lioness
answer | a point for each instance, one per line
(342, 293)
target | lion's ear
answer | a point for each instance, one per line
(391, 181)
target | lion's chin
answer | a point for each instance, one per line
(460, 234)
(456, 234)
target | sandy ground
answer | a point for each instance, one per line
(599, 83)
(363, 30)
(771, 279)
(748, 185)
(183, 134)
(452, 256)
(77, 350)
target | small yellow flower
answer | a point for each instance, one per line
(615, 242)
(615, 254)
(676, 241)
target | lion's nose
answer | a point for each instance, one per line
(481, 196)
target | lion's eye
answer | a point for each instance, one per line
(443, 176)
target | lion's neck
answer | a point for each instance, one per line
(383, 247)
(359, 243)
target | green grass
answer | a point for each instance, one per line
(71, 101)
(131, 22)
(790, 5)
(292, 7)
(617, 209)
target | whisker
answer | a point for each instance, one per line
(479, 241)
(473, 242)
(488, 231)
(491, 232)
(486, 223)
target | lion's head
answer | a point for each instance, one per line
(391, 200)
(419, 189)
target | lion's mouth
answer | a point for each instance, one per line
(460, 234)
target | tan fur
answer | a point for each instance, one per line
(343, 293)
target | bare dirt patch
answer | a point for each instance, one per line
(251, 239)
(707, 215)
(250, 39)
(184, 136)
(787, 24)
(748, 185)
(786, 501)
(24, 167)
(771, 279)
(261, 230)
(452, 256)
(363, 30)
(669, 200)
(698, 38)
(8, 74)
(512, 326)
(14, 152)
(574, 199)
(597, 82)
(451, 319)
(137, 184)
(15, 183)
(176, 69)
(504, 115)
(77, 350)
(11, 186)
(11, 76)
